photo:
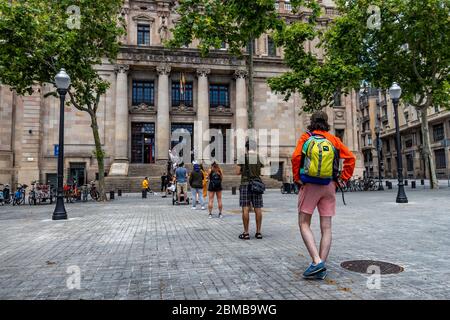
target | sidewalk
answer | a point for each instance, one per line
(134, 248)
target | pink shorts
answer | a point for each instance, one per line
(322, 197)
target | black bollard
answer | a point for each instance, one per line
(119, 193)
(387, 183)
(413, 184)
(111, 195)
(406, 182)
(422, 182)
(390, 185)
(233, 191)
(144, 194)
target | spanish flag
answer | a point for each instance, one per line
(182, 85)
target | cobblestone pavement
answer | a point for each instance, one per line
(135, 248)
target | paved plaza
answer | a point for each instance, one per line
(133, 248)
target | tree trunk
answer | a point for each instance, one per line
(426, 148)
(100, 158)
(250, 87)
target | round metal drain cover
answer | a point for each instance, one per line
(367, 266)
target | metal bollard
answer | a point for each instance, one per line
(387, 183)
(111, 195)
(422, 182)
(233, 191)
(406, 182)
(390, 185)
(119, 193)
(144, 194)
(413, 184)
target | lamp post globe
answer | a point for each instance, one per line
(395, 91)
(62, 82)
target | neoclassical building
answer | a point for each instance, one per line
(155, 91)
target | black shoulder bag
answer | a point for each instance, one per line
(255, 185)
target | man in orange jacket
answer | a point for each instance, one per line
(322, 197)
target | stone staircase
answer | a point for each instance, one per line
(137, 172)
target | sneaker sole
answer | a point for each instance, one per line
(317, 276)
(314, 273)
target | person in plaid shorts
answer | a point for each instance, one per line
(249, 169)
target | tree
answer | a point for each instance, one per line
(381, 41)
(234, 22)
(39, 37)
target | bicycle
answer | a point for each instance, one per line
(95, 195)
(19, 195)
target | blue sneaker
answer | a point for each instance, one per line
(314, 269)
(318, 276)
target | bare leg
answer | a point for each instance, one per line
(258, 216)
(210, 201)
(219, 200)
(308, 236)
(325, 242)
(245, 218)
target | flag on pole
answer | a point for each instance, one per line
(182, 85)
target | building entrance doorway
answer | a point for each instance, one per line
(219, 131)
(142, 142)
(77, 173)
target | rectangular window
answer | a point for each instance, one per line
(182, 95)
(143, 92)
(271, 48)
(388, 145)
(409, 142)
(438, 132)
(337, 98)
(143, 34)
(409, 162)
(340, 133)
(219, 95)
(439, 156)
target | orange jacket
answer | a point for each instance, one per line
(344, 153)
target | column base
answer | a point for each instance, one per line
(119, 168)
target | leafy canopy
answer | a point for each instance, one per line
(411, 47)
(38, 37)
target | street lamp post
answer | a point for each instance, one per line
(62, 81)
(395, 92)
(377, 132)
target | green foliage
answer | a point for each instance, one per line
(38, 38)
(214, 22)
(410, 47)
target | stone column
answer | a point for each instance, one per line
(241, 100)
(202, 124)
(241, 115)
(163, 116)
(120, 165)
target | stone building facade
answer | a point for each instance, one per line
(154, 91)
(376, 110)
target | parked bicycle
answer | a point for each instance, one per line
(40, 193)
(95, 195)
(71, 193)
(19, 195)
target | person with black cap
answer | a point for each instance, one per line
(250, 170)
(315, 166)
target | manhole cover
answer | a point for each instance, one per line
(365, 266)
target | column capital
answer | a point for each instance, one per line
(163, 69)
(121, 68)
(240, 74)
(203, 72)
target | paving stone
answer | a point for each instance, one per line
(134, 248)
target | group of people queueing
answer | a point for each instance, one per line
(202, 183)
